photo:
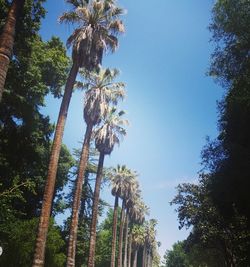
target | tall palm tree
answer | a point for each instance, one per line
(133, 195)
(150, 244)
(7, 38)
(129, 184)
(100, 92)
(118, 177)
(129, 247)
(138, 211)
(98, 25)
(138, 237)
(97, 28)
(106, 137)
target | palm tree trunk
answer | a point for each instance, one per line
(77, 197)
(92, 243)
(129, 250)
(126, 241)
(147, 259)
(84, 196)
(7, 40)
(119, 264)
(144, 256)
(38, 260)
(114, 231)
(135, 258)
(150, 261)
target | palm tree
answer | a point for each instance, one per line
(100, 92)
(106, 137)
(118, 177)
(138, 237)
(97, 27)
(130, 184)
(131, 198)
(7, 38)
(129, 247)
(137, 214)
(150, 244)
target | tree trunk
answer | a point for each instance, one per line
(147, 259)
(38, 260)
(135, 258)
(7, 40)
(150, 260)
(92, 243)
(84, 196)
(126, 241)
(119, 264)
(144, 256)
(114, 231)
(129, 250)
(77, 197)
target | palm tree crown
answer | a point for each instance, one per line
(97, 26)
(121, 178)
(101, 91)
(111, 131)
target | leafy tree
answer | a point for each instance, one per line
(24, 131)
(104, 239)
(176, 257)
(230, 29)
(230, 239)
(231, 66)
(20, 245)
(218, 206)
(36, 69)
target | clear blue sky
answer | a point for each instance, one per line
(171, 103)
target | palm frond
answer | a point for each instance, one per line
(77, 3)
(97, 26)
(116, 27)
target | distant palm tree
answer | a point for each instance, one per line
(98, 25)
(7, 38)
(150, 244)
(106, 137)
(132, 197)
(137, 212)
(129, 247)
(132, 194)
(101, 90)
(138, 238)
(119, 177)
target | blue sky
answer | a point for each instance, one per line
(171, 103)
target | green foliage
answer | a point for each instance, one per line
(17, 240)
(176, 257)
(104, 240)
(230, 29)
(37, 68)
(218, 207)
(197, 256)
(229, 238)
(231, 66)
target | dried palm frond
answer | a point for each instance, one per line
(111, 131)
(97, 25)
(100, 92)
